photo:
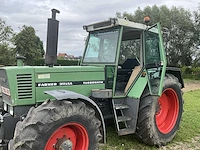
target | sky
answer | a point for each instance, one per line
(73, 15)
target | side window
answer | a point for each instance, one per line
(152, 48)
(130, 48)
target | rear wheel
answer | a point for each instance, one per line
(168, 111)
(159, 118)
(56, 125)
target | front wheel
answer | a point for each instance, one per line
(159, 118)
(57, 125)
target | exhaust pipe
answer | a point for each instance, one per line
(52, 39)
(20, 60)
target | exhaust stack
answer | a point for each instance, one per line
(20, 60)
(52, 39)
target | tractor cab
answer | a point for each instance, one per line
(131, 53)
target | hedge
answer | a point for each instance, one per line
(40, 62)
(191, 72)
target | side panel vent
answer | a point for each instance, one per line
(24, 84)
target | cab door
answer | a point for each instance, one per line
(154, 58)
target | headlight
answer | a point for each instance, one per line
(11, 110)
(5, 106)
(5, 90)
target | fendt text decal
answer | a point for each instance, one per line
(67, 83)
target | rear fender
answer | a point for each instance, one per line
(177, 73)
(64, 94)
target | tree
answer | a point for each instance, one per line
(196, 53)
(180, 38)
(6, 51)
(6, 32)
(28, 44)
(7, 57)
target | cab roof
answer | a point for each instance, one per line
(114, 22)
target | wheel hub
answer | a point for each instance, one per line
(71, 136)
(158, 108)
(167, 111)
(64, 144)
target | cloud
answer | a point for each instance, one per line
(74, 14)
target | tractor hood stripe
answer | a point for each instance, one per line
(68, 83)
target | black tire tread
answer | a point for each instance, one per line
(42, 118)
(145, 132)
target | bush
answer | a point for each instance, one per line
(40, 62)
(191, 72)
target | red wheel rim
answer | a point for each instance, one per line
(71, 134)
(168, 110)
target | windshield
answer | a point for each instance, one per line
(102, 46)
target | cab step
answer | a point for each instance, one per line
(121, 106)
(123, 118)
(125, 115)
(125, 131)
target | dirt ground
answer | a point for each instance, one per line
(191, 86)
(193, 144)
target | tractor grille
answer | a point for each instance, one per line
(24, 84)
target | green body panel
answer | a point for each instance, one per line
(66, 78)
(83, 78)
(15, 82)
(138, 86)
(61, 69)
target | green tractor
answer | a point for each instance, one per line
(122, 79)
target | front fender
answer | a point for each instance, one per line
(65, 94)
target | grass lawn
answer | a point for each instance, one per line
(189, 127)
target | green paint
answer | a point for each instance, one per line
(91, 75)
(22, 76)
(163, 58)
(138, 87)
(18, 78)
(20, 62)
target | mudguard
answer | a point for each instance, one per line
(177, 73)
(64, 94)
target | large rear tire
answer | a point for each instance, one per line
(56, 125)
(159, 118)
